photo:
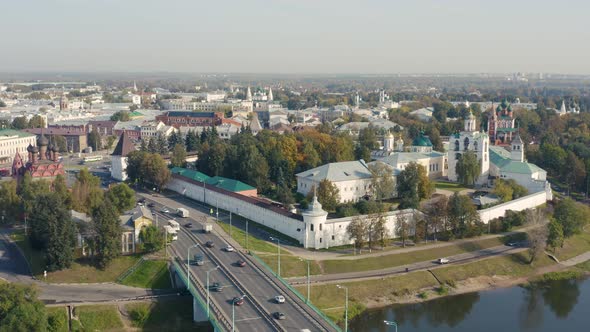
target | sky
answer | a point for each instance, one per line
(296, 36)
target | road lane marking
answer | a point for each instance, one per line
(247, 319)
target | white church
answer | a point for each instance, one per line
(470, 139)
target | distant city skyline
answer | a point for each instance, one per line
(296, 37)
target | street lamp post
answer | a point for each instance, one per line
(208, 288)
(247, 246)
(308, 281)
(345, 307)
(230, 225)
(188, 257)
(278, 254)
(391, 323)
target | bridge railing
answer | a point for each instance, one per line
(200, 294)
(299, 295)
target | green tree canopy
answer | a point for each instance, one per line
(20, 309)
(121, 196)
(328, 195)
(122, 116)
(151, 238)
(572, 216)
(107, 242)
(464, 220)
(86, 192)
(468, 168)
(178, 156)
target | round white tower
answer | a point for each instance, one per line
(388, 143)
(470, 123)
(314, 219)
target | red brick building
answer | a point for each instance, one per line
(191, 119)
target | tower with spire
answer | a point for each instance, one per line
(314, 220)
(517, 149)
(470, 139)
(501, 124)
(270, 97)
(248, 94)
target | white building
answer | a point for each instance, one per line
(119, 157)
(352, 178)
(469, 139)
(154, 128)
(13, 141)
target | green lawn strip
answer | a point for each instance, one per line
(574, 246)
(584, 266)
(449, 186)
(330, 299)
(254, 244)
(36, 258)
(83, 271)
(382, 262)
(57, 319)
(291, 266)
(98, 317)
(166, 315)
(149, 274)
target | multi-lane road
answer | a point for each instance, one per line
(258, 284)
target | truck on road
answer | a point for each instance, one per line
(171, 233)
(182, 212)
(207, 227)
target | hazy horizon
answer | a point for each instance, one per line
(296, 37)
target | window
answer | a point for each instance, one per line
(320, 240)
(466, 144)
(457, 145)
(475, 145)
(320, 227)
(333, 237)
(311, 227)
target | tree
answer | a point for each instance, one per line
(10, 201)
(53, 231)
(161, 144)
(408, 182)
(328, 195)
(402, 228)
(61, 143)
(574, 171)
(537, 234)
(572, 216)
(174, 139)
(191, 141)
(503, 190)
(152, 146)
(135, 164)
(36, 121)
(468, 168)
(555, 234)
(178, 156)
(110, 141)
(156, 171)
(378, 228)
(108, 233)
(86, 192)
(357, 231)
(60, 188)
(437, 213)
(20, 309)
(151, 238)
(464, 220)
(122, 116)
(382, 181)
(20, 123)
(94, 140)
(121, 196)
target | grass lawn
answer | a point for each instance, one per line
(330, 299)
(449, 186)
(57, 319)
(149, 274)
(291, 266)
(584, 266)
(254, 244)
(382, 262)
(575, 245)
(82, 271)
(98, 318)
(166, 315)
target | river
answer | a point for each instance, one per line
(559, 306)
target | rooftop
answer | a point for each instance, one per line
(342, 171)
(9, 133)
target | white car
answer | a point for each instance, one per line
(279, 299)
(165, 210)
(229, 249)
(443, 261)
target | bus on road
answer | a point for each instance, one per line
(91, 159)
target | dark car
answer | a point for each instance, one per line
(217, 287)
(141, 200)
(210, 244)
(151, 204)
(238, 300)
(189, 225)
(279, 315)
(241, 263)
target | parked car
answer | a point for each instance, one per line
(189, 225)
(165, 210)
(229, 248)
(279, 315)
(279, 299)
(210, 244)
(141, 200)
(241, 263)
(238, 300)
(443, 261)
(151, 204)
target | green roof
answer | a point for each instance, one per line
(12, 132)
(499, 156)
(135, 113)
(422, 140)
(229, 184)
(520, 168)
(191, 174)
(216, 181)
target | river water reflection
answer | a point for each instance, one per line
(559, 306)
